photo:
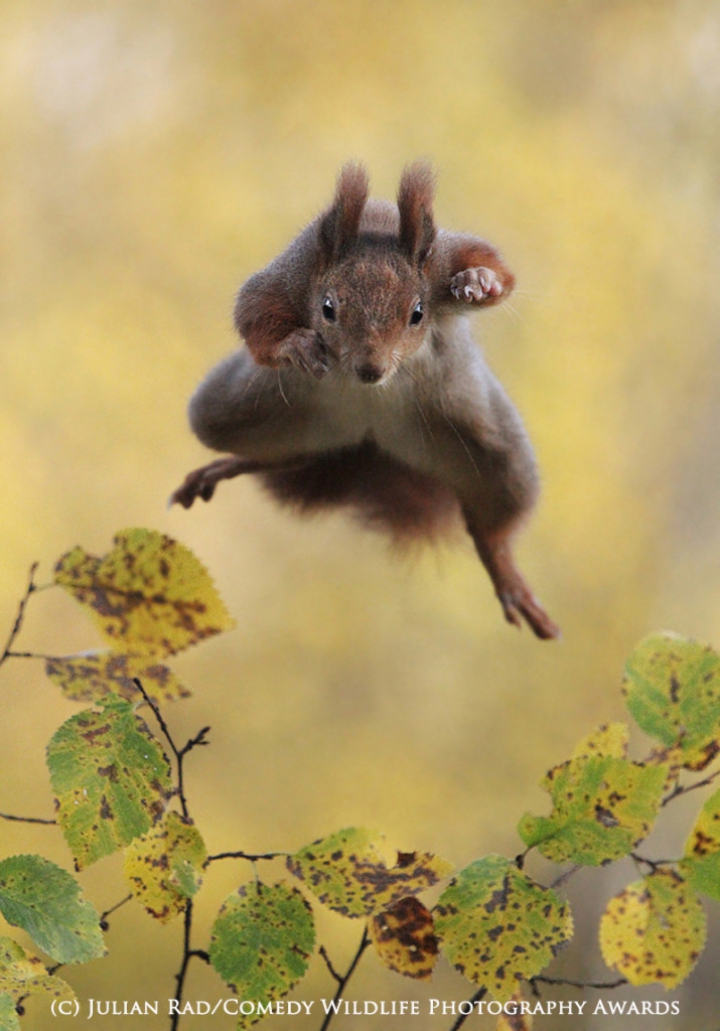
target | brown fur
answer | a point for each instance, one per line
(361, 387)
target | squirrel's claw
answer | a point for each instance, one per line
(306, 350)
(476, 284)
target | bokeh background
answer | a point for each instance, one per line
(156, 153)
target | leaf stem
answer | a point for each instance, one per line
(17, 625)
(333, 972)
(103, 916)
(343, 981)
(566, 983)
(477, 997)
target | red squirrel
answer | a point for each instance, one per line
(361, 385)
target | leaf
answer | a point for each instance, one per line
(348, 874)
(701, 865)
(111, 779)
(150, 594)
(262, 941)
(498, 927)
(9, 1020)
(610, 739)
(602, 807)
(93, 676)
(404, 938)
(45, 901)
(23, 973)
(672, 688)
(163, 868)
(654, 931)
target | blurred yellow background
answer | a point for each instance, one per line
(157, 153)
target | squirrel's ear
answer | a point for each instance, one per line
(339, 226)
(415, 199)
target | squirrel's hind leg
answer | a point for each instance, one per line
(517, 599)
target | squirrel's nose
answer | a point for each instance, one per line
(369, 373)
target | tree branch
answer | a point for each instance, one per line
(343, 981)
(17, 625)
(27, 819)
(477, 997)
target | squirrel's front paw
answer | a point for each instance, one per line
(306, 350)
(476, 284)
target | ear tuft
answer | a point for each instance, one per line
(415, 200)
(339, 226)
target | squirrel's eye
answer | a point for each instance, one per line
(417, 314)
(328, 310)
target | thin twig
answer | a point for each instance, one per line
(27, 819)
(343, 981)
(17, 625)
(179, 753)
(654, 864)
(477, 997)
(566, 983)
(187, 955)
(252, 857)
(103, 916)
(564, 877)
(678, 790)
(333, 972)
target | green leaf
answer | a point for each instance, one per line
(262, 941)
(45, 901)
(23, 973)
(602, 807)
(654, 931)
(672, 688)
(498, 927)
(163, 868)
(348, 874)
(9, 1020)
(701, 865)
(404, 938)
(111, 779)
(150, 594)
(93, 676)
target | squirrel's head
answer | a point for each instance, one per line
(370, 303)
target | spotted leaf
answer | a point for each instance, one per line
(654, 931)
(347, 872)
(95, 675)
(404, 938)
(46, 901)
(9, 1020)
(111, 779)
(610, 739)
(701, 865)
(672, 689)
(163, 868)
(23, 973)
(498, 927)
(602, 807)
(262, 941)
(148, 595)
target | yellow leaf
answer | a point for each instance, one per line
(148, 595)
(93, 675)
(23, 973)
(163, 868)
(609, 739)
(654, 931)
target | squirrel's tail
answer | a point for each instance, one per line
(384, 493)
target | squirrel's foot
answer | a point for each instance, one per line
(476, 284)
(519, 601)
(201, 483)
(306, 350)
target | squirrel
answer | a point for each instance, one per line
(361, 386)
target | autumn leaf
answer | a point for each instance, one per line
(654, 930)
(92, 676)
(347, 872)
(148, 595)
(404, 938)
(163, 867)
